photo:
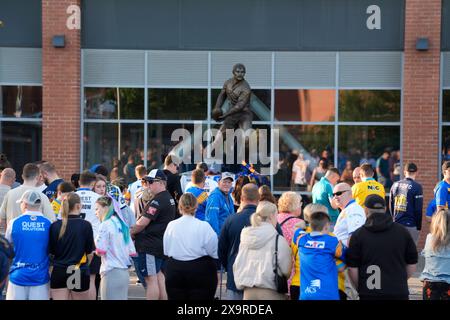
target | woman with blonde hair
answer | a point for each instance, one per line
(289, 211)
(71, 244)
(191, 245)
(436, 273)
(255, 263)
(115, 247)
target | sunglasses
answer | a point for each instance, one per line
(339, 193)
(150, 182)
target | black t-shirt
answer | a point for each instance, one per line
(77, 241)
(160, 210)
(385, 248)
(173, 185)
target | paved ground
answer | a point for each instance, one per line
(136, 291)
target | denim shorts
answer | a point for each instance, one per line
(148, 265)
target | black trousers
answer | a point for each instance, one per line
(191, 280)
(436, 291)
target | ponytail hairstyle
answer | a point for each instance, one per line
(68, 204)
(107, 201)
(188, 204)
(264, 212)
(440, 229)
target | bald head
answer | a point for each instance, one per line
(250, 194)
(356, 175)
(342, 193)
(8, 177)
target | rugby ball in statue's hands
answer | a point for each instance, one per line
(216, 113)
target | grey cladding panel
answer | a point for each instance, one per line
(114, 67)
(258, 67)
(446, 69)
(21, 65)
(178, 68)
(370, 69)
(305, 69)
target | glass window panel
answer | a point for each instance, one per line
(260, 103)
(178, 104)
(306, 143)
(103, 103)
(304, 105)
(360, 144)
(446, 105)
(160, 144)
(101, 144)
(21, 142)
(445, 143)
(21, 101)
(369, 105)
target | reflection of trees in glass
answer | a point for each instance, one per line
(131, 103)
(446, 105)
(369, 105)
(178, 104)
(354, 141)
(102, 103)
(445, 143)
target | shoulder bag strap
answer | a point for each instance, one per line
(275, 269)
(285, 220)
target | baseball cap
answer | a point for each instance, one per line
(227, 175)
(411, 167)
(155, 175)
(374, 201)
(30, 197)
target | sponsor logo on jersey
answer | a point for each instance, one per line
(315, 244)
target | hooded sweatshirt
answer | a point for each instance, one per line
(255, 261)
(382, 247)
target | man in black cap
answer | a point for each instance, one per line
(149, 232)
(381, 255)
(406, 201)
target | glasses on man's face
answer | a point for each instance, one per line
(339, 193)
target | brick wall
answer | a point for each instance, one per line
(421, 94)
(61, 89)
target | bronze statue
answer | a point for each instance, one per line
(238, 92)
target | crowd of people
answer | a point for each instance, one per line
(81, 239)
(300, 171)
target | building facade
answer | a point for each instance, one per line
(342, 79)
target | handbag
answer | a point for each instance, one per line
(281, 282)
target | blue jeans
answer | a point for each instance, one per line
(138, 272)
(1, 291)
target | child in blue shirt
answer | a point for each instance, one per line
(318, 253)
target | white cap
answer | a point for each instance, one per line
(227, 175)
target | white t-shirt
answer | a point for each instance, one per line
(300, 167)
(348, 221)
(189, 238)
(132, 189)
(10, 209)
(88, 199)
(110, 244)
